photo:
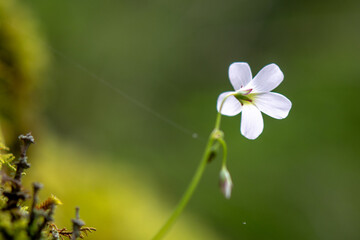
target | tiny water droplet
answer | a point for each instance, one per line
(195, 135)
(244, 223)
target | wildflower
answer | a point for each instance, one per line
(252, 96)
(225, 182)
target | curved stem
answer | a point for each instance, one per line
(214, 136)
(223, 144)
(218, 118)
(190, 190)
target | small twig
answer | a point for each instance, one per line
(6, 178)
(61, 233)
(16, 194)
(47, 218)
(77, 224)
(22, 164)
(36, 188)
(86, 230)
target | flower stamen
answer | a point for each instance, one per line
(247, 92)
(243, 96)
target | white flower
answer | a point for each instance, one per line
(252, 96)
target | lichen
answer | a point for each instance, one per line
(19, 221)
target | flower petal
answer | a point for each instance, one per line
(267, 79)
(273, 104)
(252, 123)
(239, 74)
(231, 106)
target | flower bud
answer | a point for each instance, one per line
(225, 182)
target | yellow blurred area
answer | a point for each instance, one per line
(23, 59)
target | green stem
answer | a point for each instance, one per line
(223, 144)
(218, 118)
(214, 136)
(189, 192)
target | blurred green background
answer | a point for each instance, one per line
(299, 180)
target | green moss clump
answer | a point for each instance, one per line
(21, 222)
(23, 60)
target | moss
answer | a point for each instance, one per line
(19, 221)
(23, 58)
